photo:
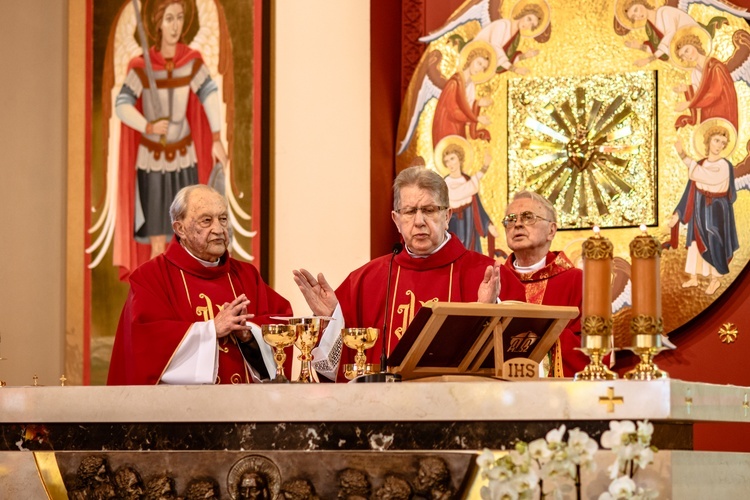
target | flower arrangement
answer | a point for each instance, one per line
(551, 467)
(633, 451)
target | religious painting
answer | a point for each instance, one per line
(175, 100)
(621, 112)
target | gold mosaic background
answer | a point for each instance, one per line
(583, 45)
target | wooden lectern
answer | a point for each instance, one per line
(476, 339)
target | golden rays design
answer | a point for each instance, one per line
(586, 147)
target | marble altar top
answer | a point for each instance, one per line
(478, 400)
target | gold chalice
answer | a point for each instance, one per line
(309, 330)
(359, 339)
(280, 337)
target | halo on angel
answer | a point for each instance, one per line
(449, 144)
(470, 52)
(538, 8)
(686, 43)
(150, 19)
(715, 126)
(623, 16)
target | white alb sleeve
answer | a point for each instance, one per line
(196, 360)
(327, 355)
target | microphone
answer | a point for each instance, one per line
(384, 375)
(397, 247)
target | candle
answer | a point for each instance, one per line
(597, 276)
(645, 253)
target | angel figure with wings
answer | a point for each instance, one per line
(706, 205)
(711, 92)
(528, 18)
(170, 101)
(493, 50)
(662, 23)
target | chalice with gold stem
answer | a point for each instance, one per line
(280, 337)
(359, 339)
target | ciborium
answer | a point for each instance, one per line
(309, 330)
(359, 339)
(279, 337)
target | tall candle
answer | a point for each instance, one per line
(645, 253)
(597, 276)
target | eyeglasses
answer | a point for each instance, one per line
(428, 212)
(527, 218)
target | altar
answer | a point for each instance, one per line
(328, 437)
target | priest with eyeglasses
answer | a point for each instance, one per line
(434, 266)
(542, 276)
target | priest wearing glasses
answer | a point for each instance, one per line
(545, 277)
(434, 266)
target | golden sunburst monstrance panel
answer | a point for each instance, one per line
(588, 145)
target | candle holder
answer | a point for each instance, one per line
(646, 326)
(596, 325)
(646, 332)
(596, 343)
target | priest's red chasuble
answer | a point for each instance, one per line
(171, 292)
(453, 274)
(558, 283)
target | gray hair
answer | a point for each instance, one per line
(534, 196)
(423, 178)
(178, 208)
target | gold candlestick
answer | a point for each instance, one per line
(646, 325)
(596, 325)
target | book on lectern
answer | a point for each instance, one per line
(451, 338)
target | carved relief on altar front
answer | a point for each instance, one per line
(206, 475)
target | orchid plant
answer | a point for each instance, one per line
(551, 467)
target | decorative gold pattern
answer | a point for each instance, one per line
(584, 45)
(645, 246)
(596, 325)
(611, 400)
(597, 248)
(592, 159)
(646, 325)
(728, 333)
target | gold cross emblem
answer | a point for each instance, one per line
(611, 400)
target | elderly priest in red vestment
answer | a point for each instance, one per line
(434, 266)
(192, 313)
(545, 277)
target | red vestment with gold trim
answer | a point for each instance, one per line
(558, 283)
(171, 292)
(452, 274)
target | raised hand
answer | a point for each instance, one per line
(317, 292)
(489, 288)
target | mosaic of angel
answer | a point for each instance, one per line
(706, 205)
(169, 111)
(494, 49)
(469, 220)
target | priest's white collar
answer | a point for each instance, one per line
(532, 268)
(205, 263)
(412, 254)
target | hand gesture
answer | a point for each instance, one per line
(681, 106)
(634, 44)
(232, 318)
(317, 292)
(679, 148)
(489, 288)
(159, 127)
(219, 154)
(483, 102)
